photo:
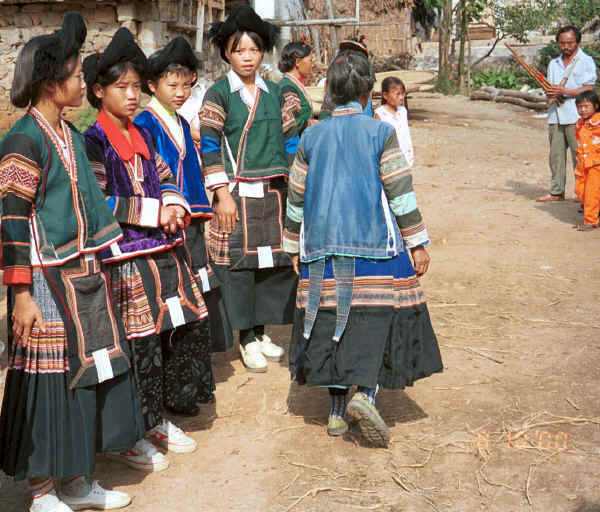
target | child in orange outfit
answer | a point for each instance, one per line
(587, 171)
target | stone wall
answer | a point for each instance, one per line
(152, 22)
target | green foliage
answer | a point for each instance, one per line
(503, 78)
(85, 119)
(519, 19)
(579, 12)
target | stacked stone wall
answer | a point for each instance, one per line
(152, 22)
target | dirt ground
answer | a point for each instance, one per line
(512, 424)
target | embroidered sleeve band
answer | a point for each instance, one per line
(397, 182)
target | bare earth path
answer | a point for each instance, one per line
(512, 424)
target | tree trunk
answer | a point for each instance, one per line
(445, 66)
(461, 54)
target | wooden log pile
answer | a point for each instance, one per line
(526, 99)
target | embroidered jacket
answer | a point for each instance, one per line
(137, 182)
(262, 137)
(588, 139)
(297, 100)
(348, 181)
(53, 192)
(182, 160)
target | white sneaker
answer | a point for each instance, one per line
(98, 498)
(171, 437)
(253, 357)
(271, 351)
(143, 457)
(58, 507)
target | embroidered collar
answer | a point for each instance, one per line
(169, 119)
(68, 160)
(126, 150)
(354, 107)
(300, 84)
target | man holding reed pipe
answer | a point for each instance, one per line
(571, 73)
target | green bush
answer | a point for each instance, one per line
(503, 78)
(85, 119)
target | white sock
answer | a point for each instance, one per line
(43, 496)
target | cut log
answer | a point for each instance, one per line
(531, 101)
(514, 93)
(534, 105)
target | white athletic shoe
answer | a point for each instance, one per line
(253, 357)
(143, 456)
(271, 351)
(98, 498)
(171, 437)
(58, 507)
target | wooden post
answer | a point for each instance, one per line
(334, 30)
(199, 25)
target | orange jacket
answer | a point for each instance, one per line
(588, 147)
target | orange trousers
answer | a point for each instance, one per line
(587, 189)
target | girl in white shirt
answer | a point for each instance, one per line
(394, 112)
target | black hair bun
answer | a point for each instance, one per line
(243, 19)
(72, 33)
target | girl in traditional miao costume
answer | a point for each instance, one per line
(248, 142)
(296, 65)
(69, 389)
(158, 297)
(172, 72)
(352, 219)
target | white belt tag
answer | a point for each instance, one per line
(115, 249)
(103, 366)
(176, 311)
(265, 257)
(252, 189)
(204, 278)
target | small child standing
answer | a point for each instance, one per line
(394, 112)
(587, 171)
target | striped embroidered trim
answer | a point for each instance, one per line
(100, 173)
(212, 115)
(298, 174)
(291, 242)
(288, 121)
(132, 303)
(164, 171)
(292, 101)
(302, 87)
(345, 111)
(42, 352)
(373, 291)
(19, 176)
(218, 244)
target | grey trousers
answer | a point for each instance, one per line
(561, 137)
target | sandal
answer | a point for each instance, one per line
(586, 227)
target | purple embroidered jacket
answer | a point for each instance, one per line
(135, 194)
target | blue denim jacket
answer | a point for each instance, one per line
(345, 208)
